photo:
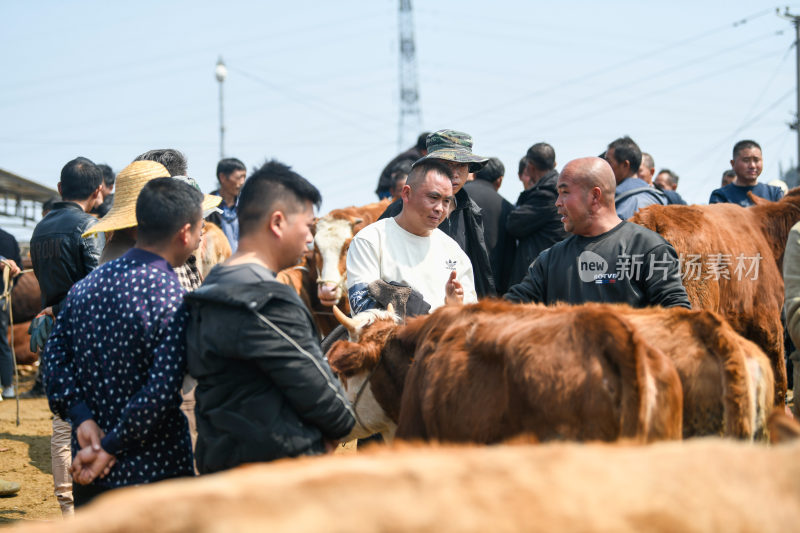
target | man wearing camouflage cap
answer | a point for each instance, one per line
(464, 224)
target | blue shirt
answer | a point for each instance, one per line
(229, 221)
(737, 194)
(627, 207)
(117, 355)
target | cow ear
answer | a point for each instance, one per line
(348, 358)
(356, 225)
(757, 200)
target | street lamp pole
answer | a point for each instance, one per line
(221, 72)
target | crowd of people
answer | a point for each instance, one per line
(154, 371)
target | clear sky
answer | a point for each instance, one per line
(315, 84)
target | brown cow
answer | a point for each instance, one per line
(489, 371)
(727, 380)
(738, 253)
(695, 486)
(320, 278)
(26, 297)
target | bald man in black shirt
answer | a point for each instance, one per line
(604, 260)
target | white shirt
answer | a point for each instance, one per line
(383, 250)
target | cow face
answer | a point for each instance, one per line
(362, 371)
(330, 243)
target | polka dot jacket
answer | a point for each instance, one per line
(117, 355)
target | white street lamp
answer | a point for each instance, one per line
(221, 72)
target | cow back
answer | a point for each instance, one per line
(726, 379)
(488, 371)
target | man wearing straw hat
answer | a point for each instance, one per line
(117, 375)
(62, 256)
(175, 163)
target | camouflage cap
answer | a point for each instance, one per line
(452, 145)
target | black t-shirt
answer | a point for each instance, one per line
(627, 264)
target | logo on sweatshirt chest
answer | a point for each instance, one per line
(592, 268)
(450, 264)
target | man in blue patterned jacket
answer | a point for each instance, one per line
(114, 364)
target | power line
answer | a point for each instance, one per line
(619, 65)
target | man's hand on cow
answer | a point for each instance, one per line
(89, 435)
(47, 311)
(454, 292)
(89, 464)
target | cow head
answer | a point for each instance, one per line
(331, 241)
(372, 370)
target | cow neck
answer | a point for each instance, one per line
(389, 375)
(776, 220)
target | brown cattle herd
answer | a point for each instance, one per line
(512, 375)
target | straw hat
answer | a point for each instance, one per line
(129, 184)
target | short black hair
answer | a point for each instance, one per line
(422, 140)
(272, 184)
(673, 178)
(79, 179)
(400, 172)
(730, 173)
(108, 175)
(164, 206)
(173, 160)
(228, 165)
(522, 164)
(743, 145)
(47, 206)
(492, 171)
(542, 156)
(625, 149)
(424, 166)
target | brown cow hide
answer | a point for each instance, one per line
(688, 486)
(214, 249)
(727, 380)
(22, 344)
(26, 297)
(709, 232)
(489, 371)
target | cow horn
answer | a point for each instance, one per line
(390, 308)
(346, 321)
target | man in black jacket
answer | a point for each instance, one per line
(494, 211)
(264, 389)
(62, 256)
(535, 221)
(464, 224)
(667, 181)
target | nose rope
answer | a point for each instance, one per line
(340, 284)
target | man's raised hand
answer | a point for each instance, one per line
(454, 292)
